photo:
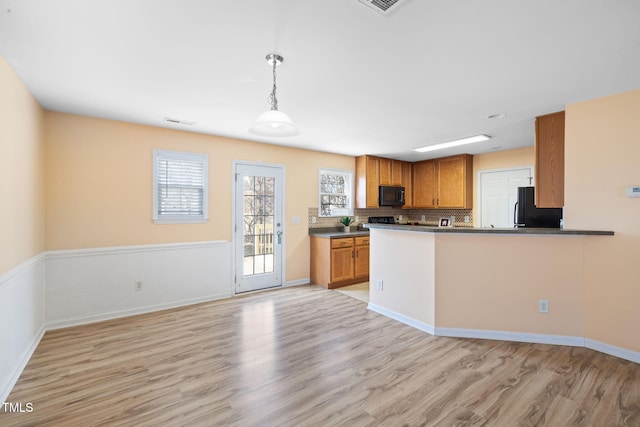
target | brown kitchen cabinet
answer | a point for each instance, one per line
(549, 160)
(390, 172)
(361, 261)
(425, 184)
(367, 181)
(339, 261)
(407, 183)
(445, 183)
(371, 172)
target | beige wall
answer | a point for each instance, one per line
(99, 179)
(520, 157)
(504, 159)
(21, 172)
(493, 282)
(602, 158)
(408, 282)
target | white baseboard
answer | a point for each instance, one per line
(511, 336)
(298, 282)
(425, 327)
(622, 353)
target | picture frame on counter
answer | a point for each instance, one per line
(444, 222)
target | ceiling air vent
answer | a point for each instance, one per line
(178, 122)
(384, 7)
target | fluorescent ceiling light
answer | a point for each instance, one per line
(454, 143)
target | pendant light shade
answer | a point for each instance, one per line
(274, 122)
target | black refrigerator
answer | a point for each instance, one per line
(525, 213)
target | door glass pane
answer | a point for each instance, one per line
(258, 228)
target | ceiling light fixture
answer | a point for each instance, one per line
(274, 122)
(454, 143)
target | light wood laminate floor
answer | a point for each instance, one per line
(306, 356)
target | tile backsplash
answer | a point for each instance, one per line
(432, 216)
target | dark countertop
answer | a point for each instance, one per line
(474, 230)
(334, 232)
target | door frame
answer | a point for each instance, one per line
(234, 240)
(477, 219)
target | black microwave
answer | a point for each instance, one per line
(390, 195)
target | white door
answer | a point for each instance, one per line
(499, 194)
(258, 227)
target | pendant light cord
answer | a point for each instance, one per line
(272, 98)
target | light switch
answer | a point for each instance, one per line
(295, 220)
(633, 191)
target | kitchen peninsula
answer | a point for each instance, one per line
(482, 282)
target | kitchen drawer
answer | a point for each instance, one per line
(362, 241)
(344, 242)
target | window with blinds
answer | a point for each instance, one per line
(179, 187)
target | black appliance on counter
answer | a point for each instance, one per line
(389, 195)
(526, 214)
(381, 220)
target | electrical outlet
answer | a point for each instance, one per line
(543, 306)
(314, 220)
(357, 218)
(423, 218)
(137, 285)
(379, 284)
(466, 218)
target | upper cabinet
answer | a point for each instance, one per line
(407, 182)
(390, 172)
(445, 183)
(455, 182)
(371, 172)
(439, 183)
(425, 188)
(367, 181)
(549, 151)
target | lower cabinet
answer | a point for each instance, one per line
(361, 263)
(339, 261)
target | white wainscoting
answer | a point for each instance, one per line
(91, 285)
(22, 325)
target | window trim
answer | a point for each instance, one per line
(181, 155)
(350, 195)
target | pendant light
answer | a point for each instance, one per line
(274, 122)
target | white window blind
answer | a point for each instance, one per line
(180, 187)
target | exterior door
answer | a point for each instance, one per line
(258, 226)
(499, 194)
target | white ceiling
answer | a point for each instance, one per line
(353, 81)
